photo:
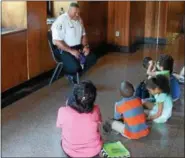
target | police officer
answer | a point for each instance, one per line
(69, 36)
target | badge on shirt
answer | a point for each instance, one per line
(59, 27)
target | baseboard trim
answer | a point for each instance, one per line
(133, 48)
(17, 92)
(10, 96)
(149, 40)
(117, 48)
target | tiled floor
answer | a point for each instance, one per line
(28, 125)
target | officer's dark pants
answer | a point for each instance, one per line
(71, 65)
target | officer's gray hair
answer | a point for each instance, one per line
(73, 4)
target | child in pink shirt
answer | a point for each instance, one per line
(80, 121)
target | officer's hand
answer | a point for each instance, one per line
(86, 51)
(75, 53)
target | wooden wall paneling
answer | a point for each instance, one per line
(150, 18)
(126, 40)
(84, 13)
(119, 14)
(94, 15)
(163, 19)
(84, 8)
(34, 38)
(14, 60)
(39, 55)
(137, 20)
(98, 22)
(111, 22)
(176, 13)
(47, 61)
(156, 19)
(176, 7)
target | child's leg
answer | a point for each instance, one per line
(119, 127)
(182, 72)
(177, 76)
(148, 105)
(147, 112)
(180, 76)
(151, 99)
(108, 126)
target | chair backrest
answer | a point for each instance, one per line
(53, 48)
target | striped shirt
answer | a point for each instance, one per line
(134, 118)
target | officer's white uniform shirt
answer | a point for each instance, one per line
(67, 30)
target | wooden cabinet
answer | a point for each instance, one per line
(14, 59)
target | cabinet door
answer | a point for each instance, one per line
(39, 55)
(14, 60)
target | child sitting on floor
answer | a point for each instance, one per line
(146, 64)
(165, 67)
(141, 91)
(161, 110)
(80, 121)
(130, 110)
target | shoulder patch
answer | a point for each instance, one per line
(59, 27)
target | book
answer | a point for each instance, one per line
(115, 149)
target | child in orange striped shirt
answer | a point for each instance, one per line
(131, 111)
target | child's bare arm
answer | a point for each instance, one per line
(117, 115)
(159, 112)
(154, 67)
(59, 121)
(150, 70)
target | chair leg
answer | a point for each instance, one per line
(77, 78)
(57, 76)
(82, 66)
(77, 74)
(54, 74)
